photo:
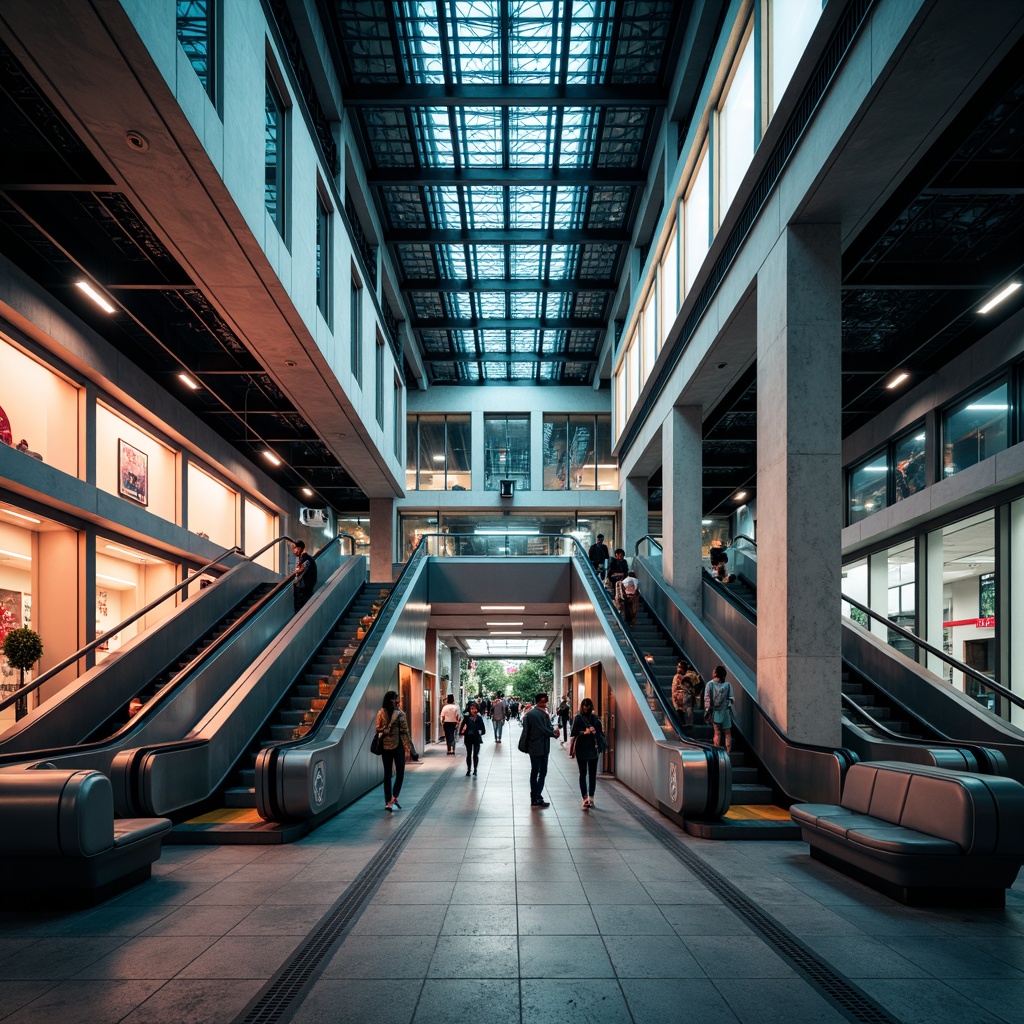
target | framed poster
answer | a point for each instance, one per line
(132, 472)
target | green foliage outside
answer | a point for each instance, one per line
(530, 678)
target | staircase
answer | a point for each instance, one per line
(881, 708)
(754, 813)
(310, 692)
(144, 695)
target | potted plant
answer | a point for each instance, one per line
(22, 647)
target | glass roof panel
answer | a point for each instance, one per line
(427, 305)
(469, 371)
(388, 136)
(527, 260)
(562, 261)
(460, 305)
(527, 305)
(487, 261)
(474, 33)
(548, 371)
(485, 206)
(434, 146)
(451, 259)
(417, 260)
(609, 205)
(420, 42)
(480, 138)
(463, 341)
(576, 139)
(558, 304)
(554, 343)
(570, 203)
(493, 341)
(435, 342)
(533, 136)
(525, 341)
(576, 371)
(491, 304)
(535, 34)
(622, 135)
(522, 371)
(589, 43)
(405, 206)
(528, 206)
(496, 371)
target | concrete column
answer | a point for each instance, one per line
(878, 591)
(430, 650)
(682, 500)
(633, 493)
(382, 539)
(566, 652)
(799, 483)
(455, 684)
(930, 617)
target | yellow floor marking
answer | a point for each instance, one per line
(755, 812)
(228, 815)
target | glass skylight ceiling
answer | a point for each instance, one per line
(507, 142)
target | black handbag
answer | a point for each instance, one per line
(377, 744)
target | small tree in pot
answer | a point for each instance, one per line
(22, 647)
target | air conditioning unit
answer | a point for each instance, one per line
(314, 517)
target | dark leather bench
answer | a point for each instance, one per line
(923, 835)
(61, 844)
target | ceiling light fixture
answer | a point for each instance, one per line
(897, 380)
(504, 623)
(505, 632)
(999, 296)
(115, 579)
(19, 515)
(14, 554)
(271, 458)
(439, 458)
(307, 492)
(188, 381)
(96, 297)
(503, 607)
(740, 496)
(125, 551)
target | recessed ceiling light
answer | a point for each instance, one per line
(307, 492)
(504, 623)
(1003, 293)
(705, 522)
(115, 579)
(503, 607)
(897, 380)
(740, 496)
(505, 632)
(14, 554)
(125, 551)
(271, 458)
(439, 458)
(188, 381)
(95, 295)
(19, 515)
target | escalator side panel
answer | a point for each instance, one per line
(72, 714)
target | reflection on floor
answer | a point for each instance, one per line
(477, 905)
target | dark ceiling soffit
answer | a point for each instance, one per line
(481, 95)
(522, 284)
(506, 176)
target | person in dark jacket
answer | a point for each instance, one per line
(473, 730)
(305, 579)
(618, 569)
(588, 743)
(564, 713)
(598, 555)
(537, 732)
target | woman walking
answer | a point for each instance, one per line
(588, 743)
(450, 718)
(393, 728)
(473, 731)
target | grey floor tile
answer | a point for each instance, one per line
(1001, 998)
(861, 956)
(157, 957)
(560, 956)
(591, 1001)
(947, 959)
(242, 956)
(85, 1002)
(495, 1001)
(474, 957)
(556, 919)
(298, 919)
(779, 1001)
(16, 994)
(631, 893)
(483, 919)
(55, 959)
(415, 893)
(200, 920)
(648, 1000)
(361, 1001)
(703, 919)
(931, 1002)
(195, 1002)
(393, 957)
(400, 919)
(616, 919)
(651, 956)
(737, 956)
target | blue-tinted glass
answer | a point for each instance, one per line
(195, 35)
(868, 488)
(975, 430)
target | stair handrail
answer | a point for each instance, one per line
(743, 536)
(100, 638)
(651, 542)
(959, 666)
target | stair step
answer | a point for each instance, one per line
(239, 796)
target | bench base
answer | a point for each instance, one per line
(918, 895)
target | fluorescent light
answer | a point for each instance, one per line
(740, 496)
(271, 458)
(504, 623)
(706, 522)
(525, 532)
(188, 381)
(919, 437)
(439, 458)
(897, 380)
(95, 296)
(307, 492)
(875, 469)
(14, 554)
(987, 408)
(115, 579)
(124, 551)
(503, 607)
(19, 515)
(505, 632)
(1004, 293)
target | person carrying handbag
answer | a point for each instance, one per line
(393, 728)
(718, 701)
(586, 746)
(473, 731)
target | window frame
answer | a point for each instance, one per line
(276, 92)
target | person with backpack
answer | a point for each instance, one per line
(686, 685)
(718, 701)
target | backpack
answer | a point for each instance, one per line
(719, 696)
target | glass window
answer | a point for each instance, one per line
(412, 454)
(909, 464)
(650, 328)
(868, 487)
(396, 419)
(736, 130)
(556, 449)
(633, 366)
(620, 398)
(323, 257)
(669, 287)
(356, 326)
(274, 156)
(378, 398)
(607, 468)
(976, 429)
(439, 446)
(506, 451)
(195, 26)
(791, 23)
(577, 453)
(696, 222)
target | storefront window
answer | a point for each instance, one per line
(577, 454)
(909, 464)
(211, 508)
(868, 488)
(438, 453)
(506, 451)
(976, 429)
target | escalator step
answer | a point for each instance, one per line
(238, 796)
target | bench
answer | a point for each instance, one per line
(923, 835)
(62, 846)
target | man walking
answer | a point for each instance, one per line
(598, 555)
(538, 731)
(305, 578)
(498, 717)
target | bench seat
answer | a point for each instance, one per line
(921, 834)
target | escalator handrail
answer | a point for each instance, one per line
(651, 542)
(959, 666)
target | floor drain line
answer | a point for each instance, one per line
(848, 998)
(283, 994)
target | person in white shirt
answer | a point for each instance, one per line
(450, 718)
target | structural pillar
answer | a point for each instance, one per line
(455, 683)
(681, 490)
(382, 539)
(799, 483)
(634, 514)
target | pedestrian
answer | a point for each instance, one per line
(564, 713)
(719, 559)
(598, 555)
(627, 597)
(393, 728)
(498, 717)
(685, 686)
(473, 730)
(718, 701)
(587, 745)
(537, 734)
(618, 568)
(450, 719)
(513, 709)
(305, 574)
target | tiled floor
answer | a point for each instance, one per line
(495, 911)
